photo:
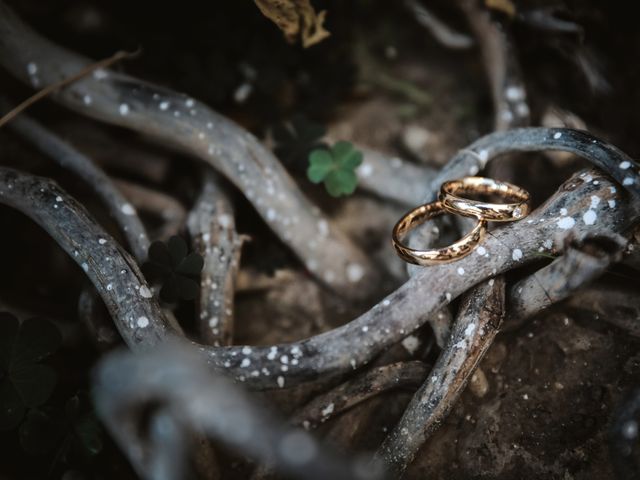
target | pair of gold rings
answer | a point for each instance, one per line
(452, 200)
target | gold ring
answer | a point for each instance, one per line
(493, 212)
(418, 216)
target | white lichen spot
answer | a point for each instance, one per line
(589, 218)
(102, 241)
(491, 282)
(355, 272)
(624, 165)
(85, 266)
(557, 135)
(280, 381)
(213, 322)
(123, 109)
(563, 211)
(516, 254)
(481, 250)
(87, 100)
(365, 170)
(323, 228)
(32, 68)
(127, 209)
(460, 271)
(189, 103)
(142, 322)
(164, 105)
(273, 352)
(365, 329)
(246, 350)
(411, 344)
(100, 74)
(514, 93)
(145, 292)
(483, 155)
(627, 181)
(352, 362)
(448, 296)
(109, 287)
(470, 329)
(245, 362)
(548, 244)
(566, 223)
(612, 203)
(328, 410)
(225, 220)
(595, 201)
(271, 214)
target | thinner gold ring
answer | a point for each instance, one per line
(418, 216)
(452, 195)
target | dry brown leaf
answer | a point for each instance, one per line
(296, 18)
(505, 6)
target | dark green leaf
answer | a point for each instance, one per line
(34, 383)
(177, 249)
(9, 326)
(11, 406)
(191, 265)
(37, 339)
(159, 254)
(187, 288)
(89, 433)
(41, 431)
(170, 291)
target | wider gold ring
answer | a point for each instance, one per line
(494, 212)
(418, 216)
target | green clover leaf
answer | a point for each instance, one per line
(24, 381)
(336, 168)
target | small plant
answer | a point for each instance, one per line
(25, 383)
(336, 167)
(177, 269)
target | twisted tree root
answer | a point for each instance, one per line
(174, 381)
(440, 30)
(212, 228)
(580, 263)
(142, 324)
(367, 385)
(474, 158)
(71, 159)
(164, 207)
(476, 325)
(178, 119)
(501, 65)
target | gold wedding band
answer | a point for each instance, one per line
(418, 216)
(494, 212)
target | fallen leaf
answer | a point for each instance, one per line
(296, 18)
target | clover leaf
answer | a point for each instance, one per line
(296, 138)
(177, 269)
(74, 430)
(336, 168)
(24, 381)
